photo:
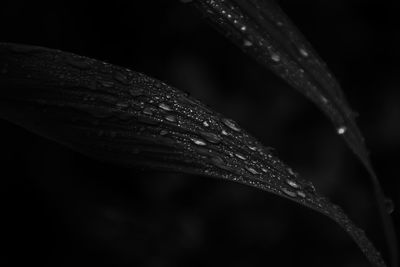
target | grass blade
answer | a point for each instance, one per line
(263, 31)
(125, 117)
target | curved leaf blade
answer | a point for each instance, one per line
(118, 115)
(262, 30)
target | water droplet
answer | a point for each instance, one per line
(224, 132)
(253, 148)
(198, 141)
(211, 137)
(122, 104)
(107, 84)
(291, 172)
(170, 118)
(163, 132)
(206, 124)
(164, 107)
(243, 28)
(301, 194)
(231, 124)
(121, 78)
(147, 111)
(251, 170)
(288, 192)
(275, 57)
(303, 52)
(264, 170)
(341, 129)
(247, 43)
(240, 156)
(292, 183)
(389, 205)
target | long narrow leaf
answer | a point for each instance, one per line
(125, 117)
(263, 31)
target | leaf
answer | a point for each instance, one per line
(262, 30)
(117, 115)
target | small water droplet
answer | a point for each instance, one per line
(264, 170)
(247, 43)
(170, 118)
(163, 132)
(224, 132)
(303, 52)
(198, 141)
(240, 156)
(231, 124)
(341, 129)
(389, 205)
(243, 28)
(147, 111)
(251, 170)
(288, 192)
(206, 124)
(119, 76)
(292, 183)
(165, 107)
(211, 137)
(275, 57)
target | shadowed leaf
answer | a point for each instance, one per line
(261, 29)
(118, 115)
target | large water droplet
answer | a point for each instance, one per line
(275, 57)
(301, 194)
(240, 156)
(148, 111)
(341, 129)
(198, 141)
(123, 104)
(288, 192)
(211, 137)
(163, 132)
(165, 107)
(303, 52)
(170, 118)
(292, 183)
(231, 124)
(107, 84)
(251, 170)
(247, 43)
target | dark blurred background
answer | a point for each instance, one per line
(62, 208)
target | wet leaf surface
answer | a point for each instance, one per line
(125, 117)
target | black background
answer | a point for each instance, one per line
(63, 208)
